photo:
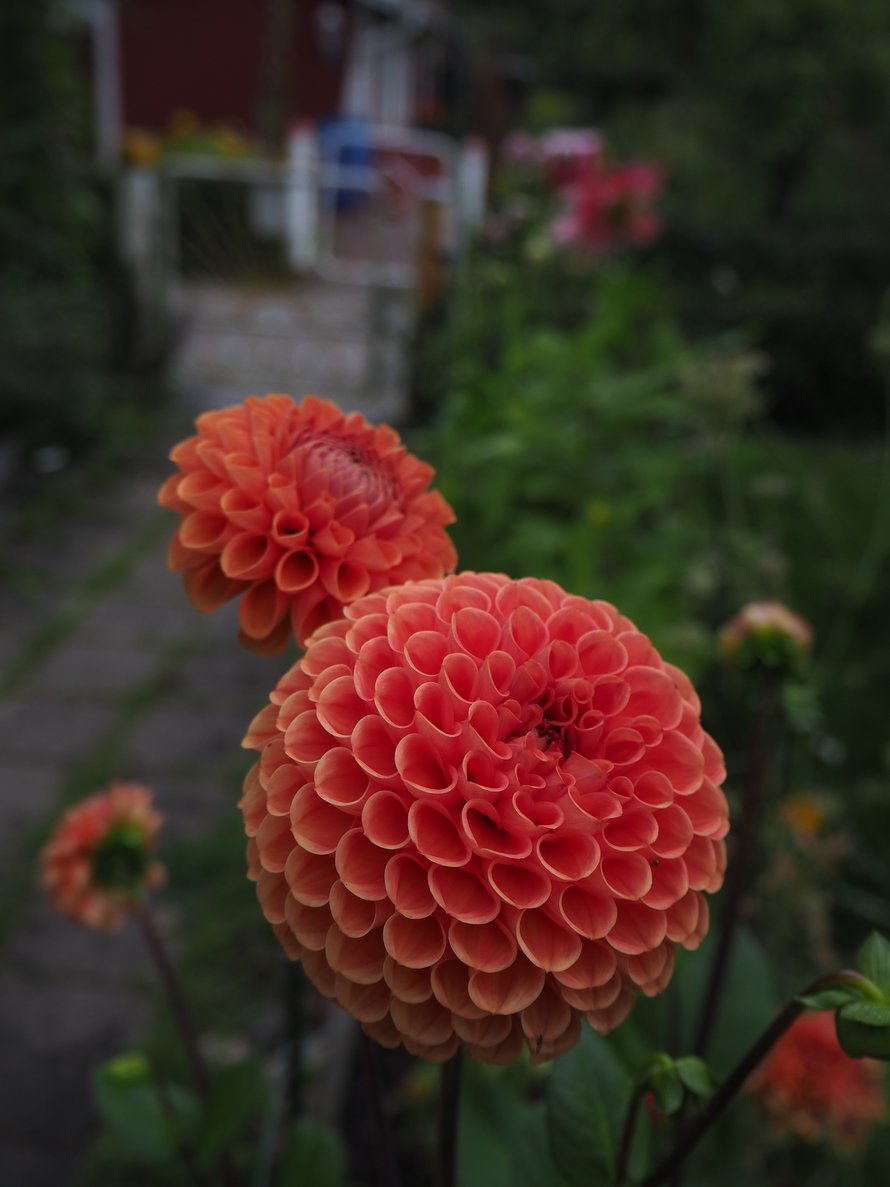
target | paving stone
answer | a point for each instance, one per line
(28, 795)
(94, 670)
(46, 728)
(171, 738)
(37, 1166)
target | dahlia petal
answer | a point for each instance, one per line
(406, 619)
(680, 760)
(359, 959)
(488, 947)
(546, 944)
(670, 881)
(461, 895)
(481, 825)
(208, 586)
(595, 997)
(417, 943)
(509, 990)
(310, 876)
(484, 1029)
(590, 915)
(460, 676)
(274, 841)
(421, 767)
(449, 981)
(290, 528)
(253, 801)
(317, 825)
(205, 531)
(633, 831)
(425, 652)
(601, 653)
(296, 570)
(607, 1019)
(340, 780)
(435, 1052)
(502, 1053)
(383, 1032)
(654, 790)
(637, 928)
(557, 1046)
(425, 1022)
(375, 657)
(354, 916)
(521, 886)
(374, 748)
(675, 832)
(309, 924)
(366, 1003)
(611, 695)
(546, 1018)
(702, 864)
(361, 865)
(707, 810)
(408, 985)
(568, 858)
(408, 887)
(394, 697)
(433, 831)
(385, 820)
(249, 557)
(293, 949)
(345, 580)
(281, 787)
(262, 608)
(627, 875)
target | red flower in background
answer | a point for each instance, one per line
(482, 809)
(98, 862)
(300, 510)
(811, 1088)
(608, 208)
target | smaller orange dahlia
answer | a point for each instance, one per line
(811, 1088)
(766, 633)
(301, 509)
(98, 861)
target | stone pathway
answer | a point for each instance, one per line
(106, 667)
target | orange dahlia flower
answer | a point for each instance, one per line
(301, 510)
(98, 861)
(484, 808)
(811, 1088)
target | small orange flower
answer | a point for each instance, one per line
(766, 633)
(483, 809)
(98, 861)
(302, 510)
(810, 1088)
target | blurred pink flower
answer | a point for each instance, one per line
(610, 208)
(484, 808)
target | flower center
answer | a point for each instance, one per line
(344, 468)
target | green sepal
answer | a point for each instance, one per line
(874, 962)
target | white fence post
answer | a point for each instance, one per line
(301, 197)
(472, 182)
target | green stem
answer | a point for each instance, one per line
(730, 1087)
(627, 1132)
(764, 735)
(449, 1103)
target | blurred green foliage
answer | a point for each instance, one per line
(774, 123)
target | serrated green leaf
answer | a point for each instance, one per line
(236, 1097)
(695, 1075)
(141, 1127)
(314, 1155)
(667, 1089)
(874, 961)
(587, 1096)
(830, 999)
(876, 1014)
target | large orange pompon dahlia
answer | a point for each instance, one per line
(99, 859)
(811, 1088)
(302, 510)
(482, 809)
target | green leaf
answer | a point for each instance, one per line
(236, 1097)
(667, 1088)
(876, 1014)
(874, 961)
(586, 1099)
(141, 1127)
(830, 999)
(861, 1039)
(314, 1157)
(695, 1075)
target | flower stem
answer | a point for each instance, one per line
(764, 735)
(627, 1132)
(449, 1101)
(386, 1156)
(730, 1087)
(175, 999)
